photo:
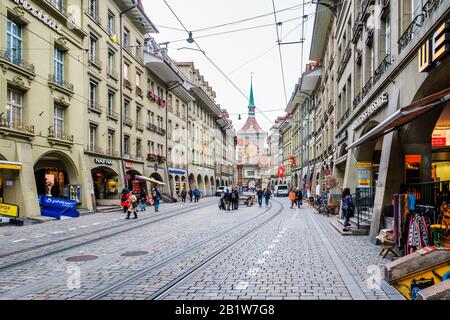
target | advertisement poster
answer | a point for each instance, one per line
(364, 174)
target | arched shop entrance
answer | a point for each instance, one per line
(192, 182)
(157, 177)
(200, 184)
(178, 186)
(106, 182)
(56, 175)
(135, 185)
(183, 183)
(207, 186)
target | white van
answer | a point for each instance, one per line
(281, 190)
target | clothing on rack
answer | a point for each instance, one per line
(418, 233)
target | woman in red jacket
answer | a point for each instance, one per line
(124, 200)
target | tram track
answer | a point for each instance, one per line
(172, 214)
(173, 284)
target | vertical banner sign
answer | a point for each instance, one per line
(364, 174)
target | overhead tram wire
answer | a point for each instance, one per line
(210, 60)
(235, 30)
(279, 52)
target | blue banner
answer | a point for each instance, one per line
(57, 203)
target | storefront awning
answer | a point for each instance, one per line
(10, 165)
(150, 180)
(404, 116)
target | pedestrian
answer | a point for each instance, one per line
(191, 194)
(222, 200)
(156, 195)
(260, 194)
(143, 198)
(292, 197)
(234, 198)
(124, 202)
(267, 196)
(197, 194)
(133, 206)
(348, 207)
(228, 200)
(298, 196)
(183, 196)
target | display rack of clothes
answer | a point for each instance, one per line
(411, 225)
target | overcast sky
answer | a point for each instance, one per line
(239, 54)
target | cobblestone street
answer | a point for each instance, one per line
(191, 251)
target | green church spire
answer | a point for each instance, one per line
(251, 102)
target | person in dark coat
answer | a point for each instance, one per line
(260, 194)
(348, 207)
(267, 196)
(191, 194)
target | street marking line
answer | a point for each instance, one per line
(40, 236)
(19, 240)
(267, 252)
(83, 226)
(271, 246)
(242, 285)
(115, 219)
(71, 229)
(261, 261)
(96, 223)
(57, 232)
(275, 240)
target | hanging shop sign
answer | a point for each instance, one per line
(436, 48)
(104, 161)
(379, 103)
(129, 165)
(177, 171)
(440, 138)
(9, 210)
(40, 15)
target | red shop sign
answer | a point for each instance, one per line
(129, 165)
(438, 141)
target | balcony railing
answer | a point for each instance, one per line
(59, 5)
(60, 82)
(365, 90)
(93, 106)
(127, 84)
(357, 100)
(161, 131)
(152, 127)
(94, 15)
(358, 53)
(52, 134)
(139, 126)
(369, 39)
(365, 4)
(413, 27)
(431, 6)
(344, 61)
(16, 59)
(343, 118)
(127, 121)
(357, 27)
(139, 91)
(384, 65)
(112, 114)
(112, 73)
(95, 60)
(16, 125)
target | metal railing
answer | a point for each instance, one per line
(59, 5)
(358, 56)
(344, 61)
(384, 65)
(364, 6)
(93, 106)
(95, 60)
(139, 126)
(370, 32)
(365, 90)
(430, 6)
(58, 135)
(357, 27)
(60, 82)
(127, 83)
(152, 127)
(413, 27)
(16, 125)
(161, 131)
(364, 201)
(112, 114)
(428, 193)
(357, 100)
(16, 59)
(139, 91)
(343, 118)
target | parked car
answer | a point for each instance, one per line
(281, 190)
(219, 190)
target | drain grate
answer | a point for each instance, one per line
(81, 258)
(134, 253)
